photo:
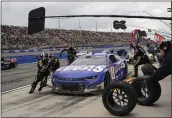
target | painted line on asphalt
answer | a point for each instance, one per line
(22, 87)
(15, 89)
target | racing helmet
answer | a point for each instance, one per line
(51, 55)
(45, 56)
(71, 48)
(112, 51)
(148, 44)
(42, 54)
(163, 45)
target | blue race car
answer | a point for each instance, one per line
(89, 73)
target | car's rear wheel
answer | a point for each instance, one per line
(106, 80)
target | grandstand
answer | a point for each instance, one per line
(15, 37)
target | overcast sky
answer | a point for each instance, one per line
(16, 13)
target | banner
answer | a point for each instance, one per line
(159, 37)
(135, 37)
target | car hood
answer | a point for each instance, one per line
(79, 71)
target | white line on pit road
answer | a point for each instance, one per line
(15, 89)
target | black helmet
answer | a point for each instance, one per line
(51, 55)
(71, 48)
(111, 51)
(46, 55)
(164, 45)
(148, 44)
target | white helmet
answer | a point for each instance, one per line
(42, 54)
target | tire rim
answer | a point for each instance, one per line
(142, 91)
(117, 99)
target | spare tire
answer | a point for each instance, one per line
(146, 95)
(116, 94)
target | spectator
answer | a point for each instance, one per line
(15, 37)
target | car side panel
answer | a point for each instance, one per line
(117, 71)
(121, 73)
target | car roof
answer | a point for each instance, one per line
(91, 55)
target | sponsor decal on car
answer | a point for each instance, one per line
(93, 68)
(114, 69)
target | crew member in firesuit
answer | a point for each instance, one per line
(140, 58)
(53, 62)
(71, 54)
(165, 68)
(43, 72)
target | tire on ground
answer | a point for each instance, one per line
(154, 89)
(9, 67)
(128, 89)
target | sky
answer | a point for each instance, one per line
(16, 13)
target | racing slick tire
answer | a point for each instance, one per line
(10, 66)
(123, 91)
(153, 92)
(13, 65)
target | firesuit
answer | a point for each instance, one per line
(71, 54)
(140, 57)
(165, 68)
(54, 63)
(42, 73)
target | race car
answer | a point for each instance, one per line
(82, 53)
(8, 63)
(89, 73)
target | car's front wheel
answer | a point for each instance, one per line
(14, 65)
(106, 80)
(10, 66)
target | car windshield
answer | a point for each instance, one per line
(95, 60)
